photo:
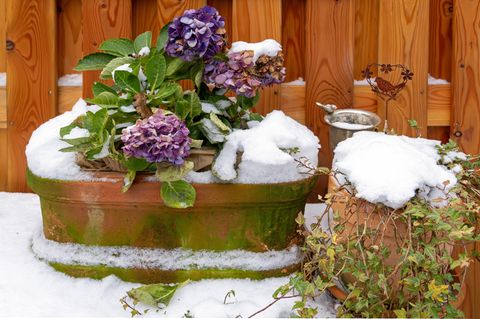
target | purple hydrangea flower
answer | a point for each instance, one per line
(159, 138)
(196, 34)
(235, 74)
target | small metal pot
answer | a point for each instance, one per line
(345, 122)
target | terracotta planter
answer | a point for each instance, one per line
(339, 205)
(255, 217)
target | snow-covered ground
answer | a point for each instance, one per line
(30, 287)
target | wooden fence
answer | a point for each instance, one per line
(326, 42)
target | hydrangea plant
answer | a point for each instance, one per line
(146, 121)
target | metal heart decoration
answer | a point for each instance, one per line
(390, 81)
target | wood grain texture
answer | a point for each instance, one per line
(103, 19)
(440, 133)
(224, 7)
(364, 98)
(329, 65)
(144, 18)
(292, 100)
(403, 28)
(32, 78)
(471, 305)
(169, 9)
(466, 75)
(3, 25)
(67, 97)
(439, 105)
(440, 43)
(366, 35)
(254, 21)
(293, 38)
(3, 107)
(70, 35)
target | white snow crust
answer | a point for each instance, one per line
(351, 126)
(390, 169)
(268, 47)
(75, 79)
(30, 287)
(3, 79)
(263, 160)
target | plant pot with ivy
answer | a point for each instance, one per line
(145, 163)
(396, 209)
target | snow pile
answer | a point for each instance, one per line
(268, 151)
(30, 287)
(390, 169)
(70, 80)
(433, 81)
(3, 79)
(268, 47)
(171, 259)
(43, 156)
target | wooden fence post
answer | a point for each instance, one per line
(32, 78)
(403, 34)
(329, 65)
(3, 103)
(254, 21)
(103, 19)
(466, 110)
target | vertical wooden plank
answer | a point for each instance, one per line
(466, 75)
(403, 30)
(293, 38)
(144, 17)
(440, 56)
(32, 78)
(69, 35)
(254, 21)
(3, 102)
(224, 7)
(103, 19)
(366, 35)
(466, 109)
(440, 133)
(167, 10)
(329, 65)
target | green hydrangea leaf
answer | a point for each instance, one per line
(95, 122)
(155, 294)
(117, 47)
(155, 71)
(143, 40)
(105, 99)
(167, 172)
(162, 38)
(127, 81)
(211, 131)
(128, 180)
(135, 164)
(94, 61)
(112, 65)
(99, 87)
(218, 122)
(178, 194)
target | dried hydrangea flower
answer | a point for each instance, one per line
(270, 70)
(159, 138)
(196, 34)
(236, 74)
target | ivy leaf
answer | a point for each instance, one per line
(112, 65)
(178, 194)
(143, 40)
(162, 37)
(155, 294)
(170, 173)
(117, 47)
(155, 71)
(127, 81)
(99, 87)
(400, 313)
(94, 61)
(105, 99)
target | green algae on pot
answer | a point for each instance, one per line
(254, 217)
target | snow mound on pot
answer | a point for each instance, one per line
(391, 169)
(269, 151)
(43, 156)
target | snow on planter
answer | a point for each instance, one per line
(392, 169)
(268, 47)
(269, 151)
